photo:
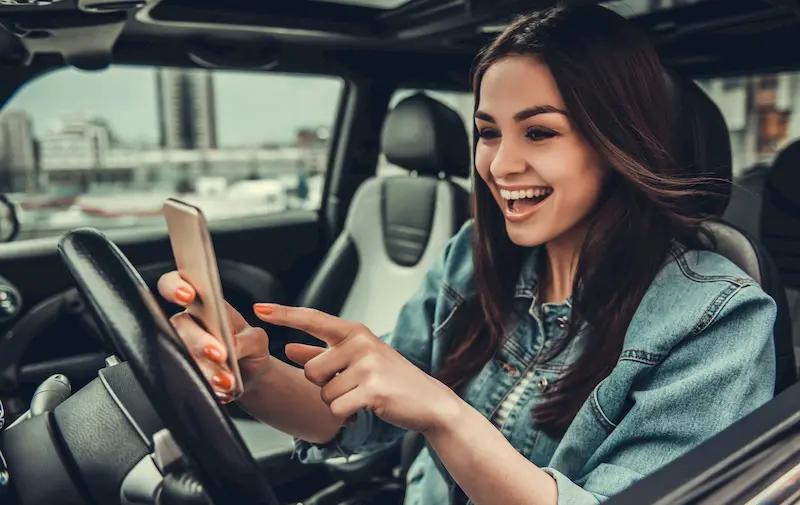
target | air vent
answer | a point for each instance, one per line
(109, 5)
(28, 3)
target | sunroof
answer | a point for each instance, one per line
(373, 4)
(630, 8)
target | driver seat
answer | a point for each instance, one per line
(705, 147)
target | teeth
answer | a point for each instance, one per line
(525, 193)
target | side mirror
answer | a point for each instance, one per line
(9, 219)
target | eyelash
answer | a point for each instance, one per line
(534, 134)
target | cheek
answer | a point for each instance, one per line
(578, 191)
(483, 161)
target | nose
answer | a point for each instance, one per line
(508, 160)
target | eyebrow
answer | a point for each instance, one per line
(523, 114)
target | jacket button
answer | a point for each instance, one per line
(543, 384)
(562, 321)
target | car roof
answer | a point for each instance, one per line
(435, 38)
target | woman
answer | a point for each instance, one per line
(575, 336)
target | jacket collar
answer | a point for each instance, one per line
(528, 279)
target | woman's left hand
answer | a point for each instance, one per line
(360, 371)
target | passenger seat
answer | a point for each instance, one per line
(780, 226)
(396, 227)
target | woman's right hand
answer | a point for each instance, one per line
(251, 344)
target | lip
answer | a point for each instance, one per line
(515, 217)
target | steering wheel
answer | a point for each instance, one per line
(129, 315)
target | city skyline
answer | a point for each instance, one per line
(244, 104)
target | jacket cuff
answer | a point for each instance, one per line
(347, 442)
(570, 493)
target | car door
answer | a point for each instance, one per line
(103, 149)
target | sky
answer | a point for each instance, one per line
(251, 108)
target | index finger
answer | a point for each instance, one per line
(330, 329)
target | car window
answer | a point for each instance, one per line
(461, 102)
(762, 113)
(105, 148)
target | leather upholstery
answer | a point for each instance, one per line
(397, 226)
(703, 142)
(780, 225)
(780, 215)
(128, 313)
(424, 135)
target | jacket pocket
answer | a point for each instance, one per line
(610, 399)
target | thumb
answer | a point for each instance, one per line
(303, 353)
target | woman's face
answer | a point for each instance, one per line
(544, 176)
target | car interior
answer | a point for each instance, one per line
(128, 417)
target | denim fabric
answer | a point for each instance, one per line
(698, 355)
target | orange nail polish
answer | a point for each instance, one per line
(212, 353)
(222, 381)
(184, 295)
(264, 310)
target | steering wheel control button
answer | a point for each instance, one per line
(112, 360)
(166, 452)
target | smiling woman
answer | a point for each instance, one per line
(576, 335)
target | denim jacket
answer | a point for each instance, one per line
(698, 354)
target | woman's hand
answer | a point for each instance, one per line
(359, 371)
(251, 344)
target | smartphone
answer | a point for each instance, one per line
(197, 264)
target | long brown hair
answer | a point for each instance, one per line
(618, 97)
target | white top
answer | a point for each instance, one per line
(501, 415)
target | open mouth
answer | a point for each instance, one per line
(521, 201)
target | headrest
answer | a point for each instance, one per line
(780, 214)
(783, 180)
(703, 141)
(424, 135)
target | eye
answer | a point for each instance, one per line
(488, 133)
(538, 133)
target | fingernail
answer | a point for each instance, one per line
(184, 294)
(224, 398)
(222, 381)
(212, 353)
(263, 309)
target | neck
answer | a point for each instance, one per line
(561, 265)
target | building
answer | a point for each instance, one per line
(75, 146)
(762, 114)
(17, 152)
(187, 119)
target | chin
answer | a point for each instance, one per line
(525, 235)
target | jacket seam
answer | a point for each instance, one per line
(451, 292)
(458, 301)
(714, 308)
(640, 356)
(601, 416)
(687, 271)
